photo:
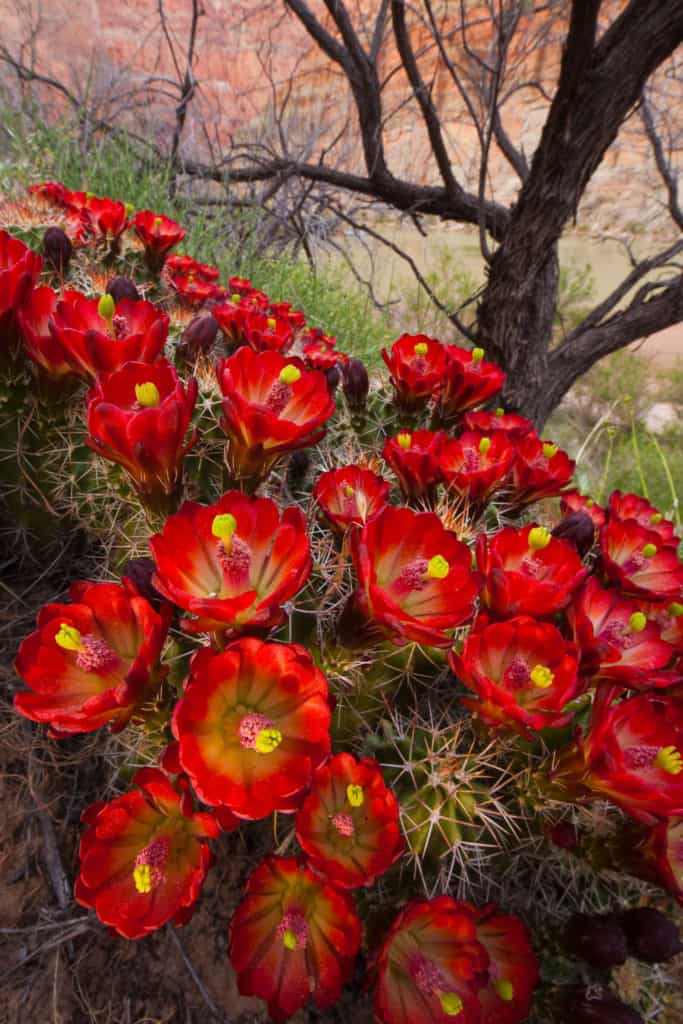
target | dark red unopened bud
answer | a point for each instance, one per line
(123, 288)
(57, 249)
(651, 935)
(356, 384)
(578, 529)
(333, 374)
(198, 337)
(596, 1005)
(564, 835)
(140, 571)
(598, 939)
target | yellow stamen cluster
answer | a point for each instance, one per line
(147, 394)
(484, 445)
(142, 876)
(675, 609)
(549, 450)
(267, 741)
(637, 622)
(650, 550)
(348, 490)
(68, 638)
(656, 518)
(272, 324)
(224, 525)
(451, 1003)
(236, 298)
(542, 676)
(404, 440)
(289, 374)
(669, 759)
(500, 411)
(477, 355)
(438, 568)
(539, 538)
(289, 939)
(505, 990)
(421, 348)
(355, 795)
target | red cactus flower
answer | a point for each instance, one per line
(20, 268)
(572, 501)
(416, 364)
(415, 459)
(351, 495)
(143, 857)
(293, 937)
(633, 755)
(271, 405)
(193, 291)
(633, 506)
(94, 661)
(51, 192)
(639, 562)
(415, 578)
(45, 351)
(261, 331)
(253, 725)
(100, 336)
(139, 416)
(158, 234)
(184, 266)
(348, 825)
(431, 966)
(233, 564)
(540, 470)
(662, 852)
(516, 427)
(102, 218)
(467, 381)
(669, 617)
(475, 466)
(528, 572)
(616, 640)
(294, 317)
(523, 673)
(513, 968)
(319, 350)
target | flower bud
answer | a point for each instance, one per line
(356, 384)
(596, 1005)
(578, 529)
(57, 249)
(564, 835)
(198, 337)
(599, 940)
(333, 375)
(122, 288)
(140, 571)
(651, 935)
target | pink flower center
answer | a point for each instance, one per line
(413, 576)
(293, 930)
(640, 757)
(618, 634)
(120, 325)
(471, 463)
(531, 566)
(344, 824)
(517, 674)
(634, 564)
(235, 560)
(250, 727)
(148, 870)
(94, 655)
(427, 976)
(278, 396)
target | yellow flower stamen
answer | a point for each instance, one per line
(500, 411)
(542, 676)
(129, 209)
(421, 349)
(477, 355)
(272, 324)
(589, 503)
(289, 939)
(438, 568)
(158, 222)
(348, 491)
(290, 374)
(147, 394)
(106, 307)
(549, 450)
(68, 637)
(142, 876)
(539, 538)
(267, 741)
(236, 298)
(650, 550)
(224, 526)
(675, 609)
(355, 795)
(637, 622)
(656, 518)
(404, 440)
(451, 1003)
(484, 445)
(505, 990)
(670, 760)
